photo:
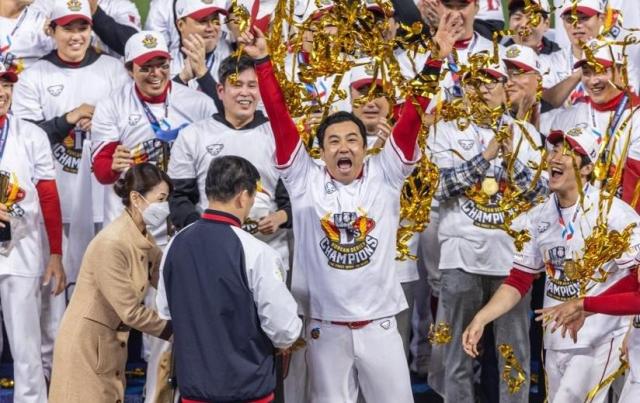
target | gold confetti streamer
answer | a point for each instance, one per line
(440, 333)
(512, 374)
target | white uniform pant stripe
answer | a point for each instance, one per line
(21, 310)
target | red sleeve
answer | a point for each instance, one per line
(102, 162)
(622, 298)
(52, 214)
(520, 280)
(284, 129)
(405, 132)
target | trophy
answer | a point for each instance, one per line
(10, 193)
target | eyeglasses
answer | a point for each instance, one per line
(146, 69)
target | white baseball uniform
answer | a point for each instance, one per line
(631, 389)
(49, 90)
(121, 119)
(574, 368)
(22, 39)
(208, 139)
(616, 117)
(26, 155)
(161, 18)
(469, 232)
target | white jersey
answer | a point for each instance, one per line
(469, 232)
(22, 39)
(121, 118)
(450, 86)
(122, 11)
(222, 50)
(547, 251)
(50, 89)
(161, 19)
(555, 68)
(322, 88)
(490, 10)
(208, 139)
(27, 155)
(634, 350)
(585, 116)
(345, 236)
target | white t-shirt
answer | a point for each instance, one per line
(547, 251)
(121, 118)
(48, 90)
(22, 39)
(161, 19)
(222, 50)
(469, 233)
(450, 84)
(345, 236)
(202, 142)
(583, 115)
(27, 155)
(634, 350)
(490, 10)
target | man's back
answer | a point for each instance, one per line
(223, 291)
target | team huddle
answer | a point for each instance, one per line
(308, 200)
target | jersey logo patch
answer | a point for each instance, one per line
(347, 244)
(214, 149)
(69, 151)
(543, 226)
(134, 119)
(466, 144)
(55, 90)
(329, 188)
(559, 286)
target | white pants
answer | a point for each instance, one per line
(631, 392)
(52, 310)
(571, 374)
(21, 310)
(371, 359)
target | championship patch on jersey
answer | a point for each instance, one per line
(347, 244)
(69, 151)
(559, 287)
(149, 151)
(486, 213)
(11, 194)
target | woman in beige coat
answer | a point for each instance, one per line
(91, 347)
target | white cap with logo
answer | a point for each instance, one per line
(522, 57)
(198, 9)
(586, 7)
(579, 138)
(602, 52)
(144, 46)
(66, 11)
(6, 74)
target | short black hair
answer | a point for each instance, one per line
(141, 178)
(233, 64)
(520, 5)
(229, 175)
(340, 117)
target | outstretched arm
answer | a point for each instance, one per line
(405, 132)
(284, 129)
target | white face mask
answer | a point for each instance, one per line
(156, 213)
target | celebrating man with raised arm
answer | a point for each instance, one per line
(346, 214)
